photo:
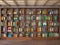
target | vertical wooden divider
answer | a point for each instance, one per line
(59, 23)
(0, 22)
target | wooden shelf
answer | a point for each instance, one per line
(30, 38)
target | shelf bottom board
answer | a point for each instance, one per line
(30, 38)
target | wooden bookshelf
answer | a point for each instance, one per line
(30, 23)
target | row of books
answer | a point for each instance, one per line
(29, 11)
(32, 17)
(29, 29)
(29, 23)
(31, 35)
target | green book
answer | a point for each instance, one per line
(40, 24)
(44, 17)
(40, 17)
(55, 17)
(15, 18)
(14, 30)
(48, 34)
(14, 24)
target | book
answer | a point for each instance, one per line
(40, 23)
(56, 24)
(10, 23)
(20, 35)
(31, 29)
(3, 11)
(32, 17)
(10, 34)
(31, 34)
(15, 11)
(39, 34)
(56, 35)
(15, 35)
(39, 29)
(39, 17)
(56, 29)
(44, 11)
(14, 23)
(20, 17)
(44, 17)
(38, 11)
(9, 28)
(20, 29)
(50, 23)
(55, 11)
(44, 34)
(14, 29)
(50, 11)
(33, 23)
(9, 11)
(3, 18)
(9, 18)
(3, 23)
(22, 11)
(51, 29)
(5, 29)
(44, 23)
(4, 35)
(55, 17)
(27, 17)
(30, 11)
(26, 34)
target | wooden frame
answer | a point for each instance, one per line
(25, 2)
(46, 2)
(35, 2)
(15, 2)
(6, 2)
(3, 6)
(56, 2)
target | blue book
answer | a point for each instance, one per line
(9, 34)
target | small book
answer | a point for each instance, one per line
(40, 24)
(38, 34)
(39, 29)
(44, 11)
(31, 30)
(31, 35)
(10, 35)
(55, 17)
(4, 35)
(56, 34)
(15, 35)
(20, 29)
(44, 24)
(39, 11)
(20, 35)
(3, 18)
(14, 23)
(9, 28)
(26, 34)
